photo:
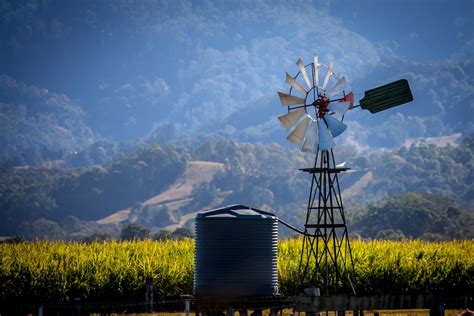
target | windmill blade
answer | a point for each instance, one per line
(290, 80)
(329, 72)
(297, 136)
(310, 143)
(337, 87)
(326, 141)
(290, 119)
(300, 65)
(286, 99)
(340, 108)
(335, 126)
(342, 105)
(316, 67)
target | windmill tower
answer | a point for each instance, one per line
(315, 117)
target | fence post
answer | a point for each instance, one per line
(149, 294)
(77, 307)
(313, 292)
(257, 312)
(437, 307)
(187, 304)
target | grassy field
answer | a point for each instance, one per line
(60, 271)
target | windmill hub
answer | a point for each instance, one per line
(321, 105)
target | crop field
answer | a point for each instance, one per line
(117, 271)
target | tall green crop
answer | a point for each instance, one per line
(61, 271)
(394, 267)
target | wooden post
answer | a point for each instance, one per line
(274, 312)
(187, 306)
(441, 305)
(77, 307)
(257, 312)
(311, 292)
(437, 307)
(149, 294)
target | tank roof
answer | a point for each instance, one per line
(236, 211)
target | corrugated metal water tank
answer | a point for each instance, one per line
(236, 253)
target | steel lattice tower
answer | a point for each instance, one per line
(326, 245)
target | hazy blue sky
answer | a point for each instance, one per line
(135, 65)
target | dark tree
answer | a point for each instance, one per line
(134, 231)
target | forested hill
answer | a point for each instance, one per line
(27, 193)
(440, 170)
(35, 200)
(444, 171)
(414, 215)
(36, 124)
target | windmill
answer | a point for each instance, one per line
(316, 108)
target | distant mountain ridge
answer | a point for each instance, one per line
(39, 126)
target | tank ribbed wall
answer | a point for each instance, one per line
(236, 255)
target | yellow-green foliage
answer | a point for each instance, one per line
(389, 266)
(56, 271)
(110, 270)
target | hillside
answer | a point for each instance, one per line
(38, 125)
(440, 170)
(414, 215)
(266, 176)
(177, 195)
(161, 187)
(103, 103)
(28, 194)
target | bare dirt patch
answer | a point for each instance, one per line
(358, 186)
(196, 172)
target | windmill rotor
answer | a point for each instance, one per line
(319, 91)
(308, 95)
